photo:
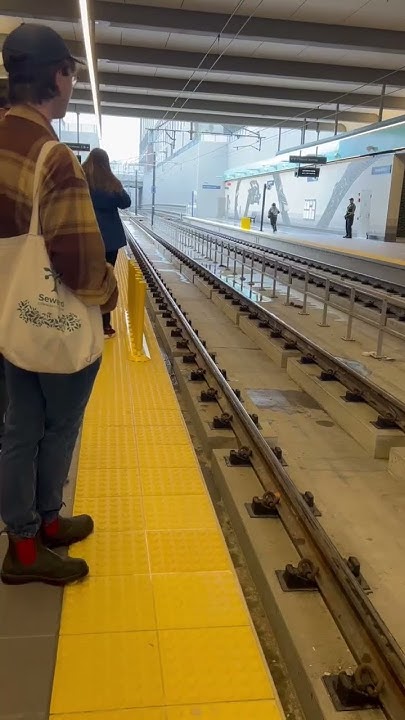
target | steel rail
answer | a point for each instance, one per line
(337, 275)
(386, 404)
(365, 632)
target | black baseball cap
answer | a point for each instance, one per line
(31, 46)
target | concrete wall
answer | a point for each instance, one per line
(177, 179)
(367, 180)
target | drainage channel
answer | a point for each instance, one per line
(379, 678)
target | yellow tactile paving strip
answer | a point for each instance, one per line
(160, 630)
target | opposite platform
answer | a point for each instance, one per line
(385, 253)
(160, 630)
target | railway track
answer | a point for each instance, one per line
(391, 411)
(299, 267)
(379, 679)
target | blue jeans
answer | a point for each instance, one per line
(43, 420)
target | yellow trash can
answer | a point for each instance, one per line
(245, 223)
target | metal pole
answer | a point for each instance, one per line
(136, 192)
(336, 119)
(381, 328)
(221, 264)
(381, 110)
(77, 127)
(287, 300)
(263, 272)
(263, 206)
(304, 304)
(325, 306)
(273, 294)
(252, 270)
(348, 337)
(242, 272)
(279, 140)
(303, 131)
(192, 203)
(153, 188)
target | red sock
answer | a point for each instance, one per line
(52, 528)
(26, 551)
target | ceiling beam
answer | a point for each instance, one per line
(242, 90)
(237, 65)
(233, 109)
(207, 23)
(200, 118)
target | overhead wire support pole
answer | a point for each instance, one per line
(263, 206)
(336, 119)
(153, 188)
(381, 110)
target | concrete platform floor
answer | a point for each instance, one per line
(29, 629)
(363, 505)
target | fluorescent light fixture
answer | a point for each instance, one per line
(84, 12)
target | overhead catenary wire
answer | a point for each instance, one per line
(207, 54)
(301, 116)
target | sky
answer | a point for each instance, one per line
(120, 137)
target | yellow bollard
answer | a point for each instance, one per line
(139, 316)
(136, 311)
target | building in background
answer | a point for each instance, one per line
(191, 160)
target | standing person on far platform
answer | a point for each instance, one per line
(107, 195)
(349, 217)
(273, 215)
(45, 410)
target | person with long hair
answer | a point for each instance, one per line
(108, 196)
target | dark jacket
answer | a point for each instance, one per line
(106, 206)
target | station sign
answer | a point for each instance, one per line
(309, 159)
(79, 147)
(309, 172)
(207, 186)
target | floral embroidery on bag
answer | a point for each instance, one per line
(64, 323)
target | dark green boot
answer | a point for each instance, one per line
(28, 560)
(67, 531)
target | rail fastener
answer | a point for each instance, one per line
(210, 395)
(310, 501)
(298, 578)
(358, 690)
(240, 457)
(198, 375)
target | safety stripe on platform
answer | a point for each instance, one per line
(160, 629)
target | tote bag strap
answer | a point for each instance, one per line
(45, 150)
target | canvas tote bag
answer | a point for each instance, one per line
(44, 327)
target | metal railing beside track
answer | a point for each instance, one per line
(365, 632)
(231, 255)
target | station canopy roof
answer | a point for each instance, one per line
(235, 62)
